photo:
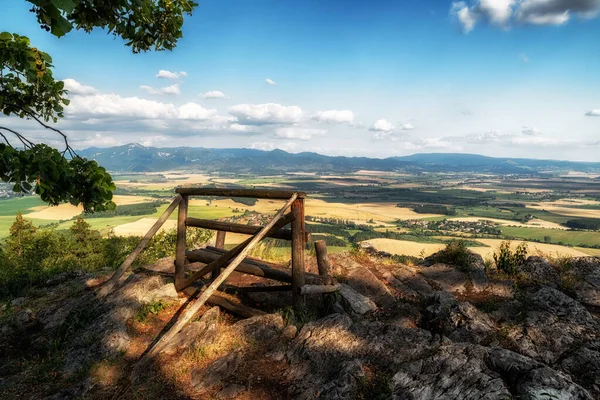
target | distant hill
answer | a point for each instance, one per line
(138, 158)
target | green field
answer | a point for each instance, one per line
(10, 207)
(571, 238)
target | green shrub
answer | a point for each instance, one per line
(507, 260)
(456, 253)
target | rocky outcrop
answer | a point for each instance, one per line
(216, 373)
(538, 271)
(354, 302)
(195, 334)
(583, 365)
(585, 273)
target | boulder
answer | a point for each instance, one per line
(411, 277)
(585, 272)
(583, 366)
(355, 302)
(262, 328)
(366, 283)
(216, 372)
(196, 333)
(346, 383)
(553, 323)
(538, 271)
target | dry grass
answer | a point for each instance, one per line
(68, 211)
(405, 247)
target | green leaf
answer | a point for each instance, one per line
(65, 5)
(61, 27)
(5, 36)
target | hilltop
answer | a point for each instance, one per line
(138, 158)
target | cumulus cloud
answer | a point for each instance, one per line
(213, 94)
(382, 125)
(169, 90)
(298, 133)
(266, 114)
(536, 12)
(165, 74)
(407, 126)
(593, 113)
(335, 116)
(466, 17)
(270, 81)
(533, 131)
(77, 88)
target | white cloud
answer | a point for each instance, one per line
(382, 125)
(195, 111)
(164, 74)
(335, 116)
(298, 133)
(170, 90)
(533, 131)
(264, 114)
(270, 81)
(464, 14)
(213, 94)
(593, 113)
(407, 126)
(76, 88)
(536, 12)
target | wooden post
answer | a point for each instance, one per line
(219, 244)
(193, 309)
(181, 236)
(298, 245)
(110, 284)
(322, 260)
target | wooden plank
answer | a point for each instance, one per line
(193, 309)
(298, 245)
(114, 279)
(223, 227)
(234, 307)
(319, 289)
(181, 236)
(209, 257)
(225, 258)
(252, 193)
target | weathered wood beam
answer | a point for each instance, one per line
(114, 279)
(251, 268)
(298, 245)
(181, 238)
(230, 305)
(319, 289)
(193, 309)
(252, 193)
(219, 244)
(223, 227)
(322, 260)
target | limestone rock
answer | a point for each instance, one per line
(231, 391)
(261, 328)
(216, 372)
(583, 366)
(538, 271)
(345, 385)
(586, 274)
(411, 277)
(197, 333)
(366, 283)
(354, 301)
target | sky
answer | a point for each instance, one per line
(376, 78)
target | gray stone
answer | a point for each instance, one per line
(538, 271)
(216, 372)
(346, 384)
(17, 302)
(263, 328)
(583, 366)
(196, 334)
(356, 302)
(366, 283)
(411, 277)
(231, 391)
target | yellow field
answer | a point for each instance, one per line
(414, 249)
(68, 211)
(569, 212)
(173, 179)
(591, 252)
(534, 223)
(139, 228)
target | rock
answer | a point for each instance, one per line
(410, 277)
(354, 301)
(538, 271)
(366, 283)
(553, 324)
(166, 264)
(450, 279)
(585, 272)
(584, 367)
(403, 291)
(467, 371)
(231, 391)
(289, 332)
(528, 378)
(17, 302)
(460, 321)
(196, 334)
(346, 384)
(216, 372)
(144, 290)
(457, 371)
(23, 317)
(263, 328)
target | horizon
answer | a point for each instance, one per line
(507, 79)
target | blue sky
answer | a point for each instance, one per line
(372, 78)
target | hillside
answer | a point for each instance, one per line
(138, 158)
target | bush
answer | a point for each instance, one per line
(456, 253)
(506, 260)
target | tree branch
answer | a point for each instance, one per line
(26, 142)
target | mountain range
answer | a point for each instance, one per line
(137, 158)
